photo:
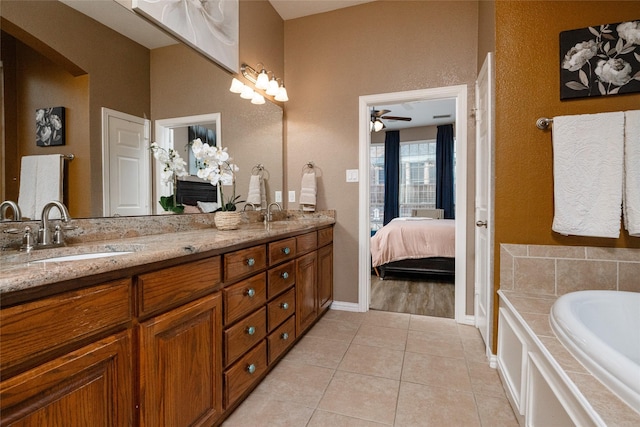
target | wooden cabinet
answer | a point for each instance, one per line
(174, 346)
(325, 278)
(181, 365)
(306, 279)
(91, 386)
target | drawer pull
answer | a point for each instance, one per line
(251, 330)
(250, 292)
(251, 368)
(284, 306)
(284, 336)
(251, 262)
(286, 251)
(285, 275)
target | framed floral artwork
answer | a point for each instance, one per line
(208, 26)
(600, 60)
(50, 126)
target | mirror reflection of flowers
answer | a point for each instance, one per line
(48, 127)
(605, 60)
(215, 166)
(173, 166)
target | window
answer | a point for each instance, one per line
(417, 179)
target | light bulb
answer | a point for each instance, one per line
(282, 94)
(236, 86)
(378, 125)
(247, 93)
(263, 80)
(257, 99)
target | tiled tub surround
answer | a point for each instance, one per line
(532, 277)
(151, 239)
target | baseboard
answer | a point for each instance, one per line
(468, 319)
(345, 306)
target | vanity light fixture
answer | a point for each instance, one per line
(273, 87)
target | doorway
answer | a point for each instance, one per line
(366, 103)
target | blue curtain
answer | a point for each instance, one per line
(391, 175)
(444, 170)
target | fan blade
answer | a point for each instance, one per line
(378, 113)
(405, 119)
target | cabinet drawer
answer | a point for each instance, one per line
(244, 373)
(32, 331)
(244, 335)
(306, 242)
(281, 339)
(171, 286)
(244, 297)
(244, 262)
(325, 236)
(281, 308)
(281, 278)
(282, 250)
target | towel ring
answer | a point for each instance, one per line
(257, 169)
(309, 165)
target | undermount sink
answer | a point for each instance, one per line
(85, 256)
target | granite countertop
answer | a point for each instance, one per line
(20, 271)
(535, 311)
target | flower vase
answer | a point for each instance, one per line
(227, 220)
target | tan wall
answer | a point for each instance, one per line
(527, 87)
(117, 68)
(335, 57)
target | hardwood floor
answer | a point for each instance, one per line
(408, 295)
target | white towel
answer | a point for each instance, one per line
(40, 183)
(263, 195)
(254, 195)
(631, 197)
(587, 174)
(308, 191)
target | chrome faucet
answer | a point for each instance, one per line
(269, 213)
(248, 204)
(44, 233)
(17, 215)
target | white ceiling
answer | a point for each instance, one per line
(291, 9)
(123, 20)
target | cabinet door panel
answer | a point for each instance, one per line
(52, 323)
(181, 365)
(325, 277)
(88, 387)
(306, 276)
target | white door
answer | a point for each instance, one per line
(484, 202)
(126, 164)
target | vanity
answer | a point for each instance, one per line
(173, 329)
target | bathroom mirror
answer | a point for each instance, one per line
(252, 133)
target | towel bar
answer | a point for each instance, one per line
(68, 156)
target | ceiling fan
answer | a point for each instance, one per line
(377, 116)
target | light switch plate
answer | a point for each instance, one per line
(292, 195)
(352, 175)
(278, 196)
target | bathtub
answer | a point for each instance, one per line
(602, 330)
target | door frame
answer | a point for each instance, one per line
(106, 172)
(459, 93)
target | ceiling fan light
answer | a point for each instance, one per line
(378, 125)
(262, 82)
(236, 86)
(247, 93)
(282, 94)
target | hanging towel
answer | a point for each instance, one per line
(587, 174)
(40, 183)
(308, 191)
(631, 197)
(254, 195)
(263, 195)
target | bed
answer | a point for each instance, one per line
(416, 246)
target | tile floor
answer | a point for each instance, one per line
(380, 369)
